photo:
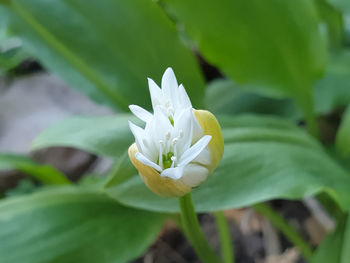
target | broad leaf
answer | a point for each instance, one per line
(226, 97)
(330, 93)
(111, 136)
(333, 22)
(108, 136)
(260, 163)
(343, 5)
(273, 45)
(333, 90)
(70, 225)
(11, 54)
(44, 173)
(105, 49)
(343, 135)
(335, 247)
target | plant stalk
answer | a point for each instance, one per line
(193, 231)
(307, 106)
(227, 248)
(279, 222)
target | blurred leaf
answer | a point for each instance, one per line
(105, 49)
(107, 136)
(24, 186)
(273, 46)
(346, 243)
(117, 177)
(111, 136)
(333, 90)
(11, 59)
(330, 93)
(70, 225)
(256, 121)
(11, 53)
(93, 181)
(226, 97)
(343, 135)
(260, 163)
(333, 19)
(343, 5)
(44, 173)
(335, 247)
(11, 161)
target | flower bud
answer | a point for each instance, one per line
(179, 147)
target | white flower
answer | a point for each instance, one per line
(173, 145)
(171, 99)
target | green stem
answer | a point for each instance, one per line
(227, 249)
(193, 231)
(279, 222)
(307, 106)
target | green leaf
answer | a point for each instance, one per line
(333, 90)
(226, 97)
(343, 135)
(105, 49)
(273, 45)
(260, 163)
(335, 247)
(330, 93)
(111, 136)
(12, 161)
(44, 173)
(343, 5)
(107, 136)
(70, 225)
(333, 20)
(11, 53)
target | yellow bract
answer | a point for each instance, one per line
(211, 126)
(168, 187)
(160, 185)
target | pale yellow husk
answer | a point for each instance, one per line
(168, 187)
(211, 126)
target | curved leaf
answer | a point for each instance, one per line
(107, 136)
(259, 167)
(225, 97)
(110, 136)
(343, 135)
(70, 225)
(44, 173)
(333, 90)
(335, 246)
(105, 49)
(273, 46)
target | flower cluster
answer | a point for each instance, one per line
(179, 146)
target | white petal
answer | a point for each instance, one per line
(194, 151)
(183, 97)
(141, 113)
(162, 119)
(197, 130)
(194, 175)
(183, 123)
(143, 159)
(139, 135)
(170, 87)
(156, 93)
(174, 173)
(204, 158)
(157, 129)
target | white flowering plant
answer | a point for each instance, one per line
(262, 114)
